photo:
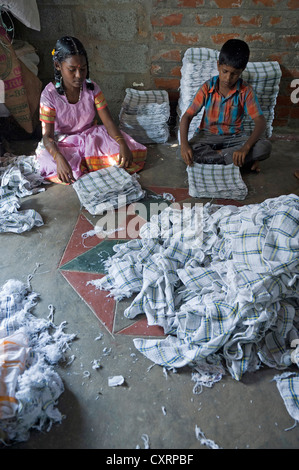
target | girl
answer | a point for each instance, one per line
(72, 143)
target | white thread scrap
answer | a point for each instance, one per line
(169, 197)
(203, 440)
(96, 364)
(99, 337)
(106, 351)
(98, 230)
(115, 381)
(71, 360)
(206, 376)
(146, 441)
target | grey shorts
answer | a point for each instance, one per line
(219, 149)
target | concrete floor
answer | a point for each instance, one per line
(236, 415)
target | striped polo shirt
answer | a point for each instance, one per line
(224, 115)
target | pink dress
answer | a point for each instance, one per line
(85, 145)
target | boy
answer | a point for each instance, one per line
(226, 98)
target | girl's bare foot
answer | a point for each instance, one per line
(256, 167)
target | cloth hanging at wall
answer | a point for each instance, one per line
(144, 115)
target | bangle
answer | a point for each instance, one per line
(118, 137)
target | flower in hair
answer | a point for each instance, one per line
(53, 52)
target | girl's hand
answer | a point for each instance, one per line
(125, 155)
(64, 171)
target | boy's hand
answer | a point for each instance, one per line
(187, 154)
(239, 156)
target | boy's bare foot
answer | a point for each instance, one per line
(256, 167)
(296, 173)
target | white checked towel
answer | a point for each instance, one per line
(216, 181)
(288, 386)
(106, 189)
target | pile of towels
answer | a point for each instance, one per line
(144, 115)
(107, 189)
(222, 283)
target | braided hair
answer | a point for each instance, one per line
(68, 46)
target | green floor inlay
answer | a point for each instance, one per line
(93, 261)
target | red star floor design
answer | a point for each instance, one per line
(86, 253)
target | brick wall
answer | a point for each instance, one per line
(141, 43)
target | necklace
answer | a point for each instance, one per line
(71, 101)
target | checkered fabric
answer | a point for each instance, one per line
(288, 386)
(13, 220)
(221, 181)
(20, 175)
(19, 178)
(106, 189)
(144, 115)
(136, 98)
(225, 285)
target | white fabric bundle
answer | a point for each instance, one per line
(29, 385)
(144, 115)
(19, 178)
(200, 64)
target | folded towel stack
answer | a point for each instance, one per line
(107, 189)
(144, 115)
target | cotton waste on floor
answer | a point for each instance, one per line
(30, 347)
(19, 178)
